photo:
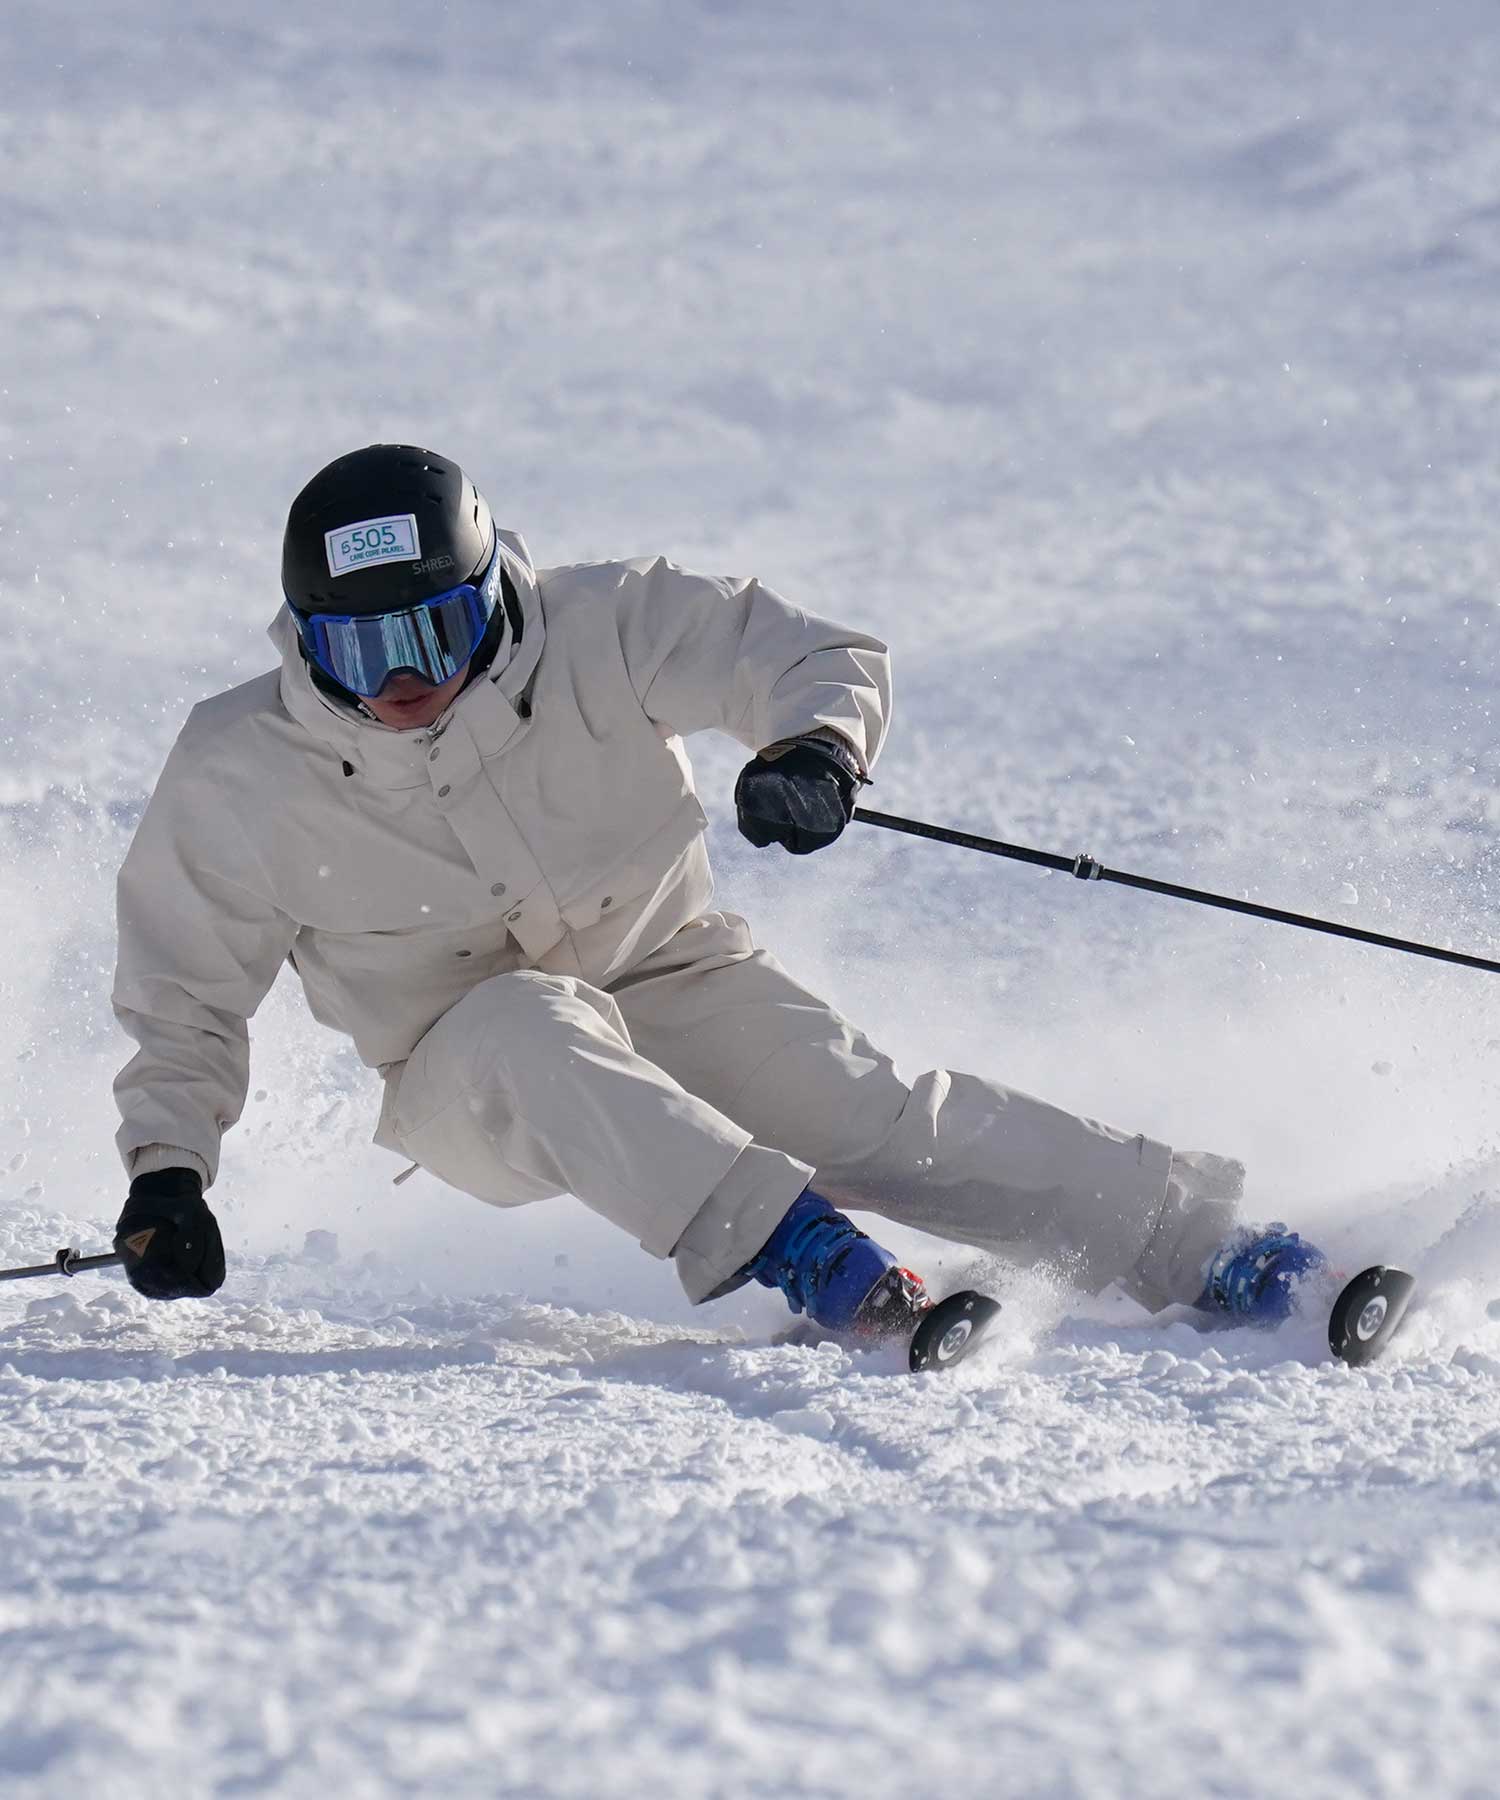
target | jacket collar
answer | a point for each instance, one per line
(487, 708)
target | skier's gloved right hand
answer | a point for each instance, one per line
(169, 1239)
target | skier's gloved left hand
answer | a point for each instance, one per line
(799, 794)
(169, 1239)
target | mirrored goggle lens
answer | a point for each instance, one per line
(433, 641)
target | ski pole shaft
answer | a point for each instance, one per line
(1087, 869)
(66, 1262)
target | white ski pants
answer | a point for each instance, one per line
(693, 1102)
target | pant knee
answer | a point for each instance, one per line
(528, 1018)
(504, 1034)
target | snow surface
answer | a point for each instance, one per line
(1134, 370)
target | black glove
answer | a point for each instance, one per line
(169, 1238)
(801, 797)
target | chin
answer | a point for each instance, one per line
(411, 718)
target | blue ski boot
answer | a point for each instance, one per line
(1254, 1278)
(842, 1279)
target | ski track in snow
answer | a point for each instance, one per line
(1135, 376)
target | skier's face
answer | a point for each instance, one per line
(408, 703)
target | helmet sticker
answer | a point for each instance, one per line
(372, 541)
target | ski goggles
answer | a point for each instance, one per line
(432, 641)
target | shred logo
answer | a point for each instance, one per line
(432, 565)
(138, 1240)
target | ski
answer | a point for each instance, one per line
(1364, 1317)
(948, 1331)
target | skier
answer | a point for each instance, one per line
(462, 810)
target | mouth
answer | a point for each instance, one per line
(408, 699)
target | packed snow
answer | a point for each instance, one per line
(1133, 372)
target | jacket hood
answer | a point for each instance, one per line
(394, 758)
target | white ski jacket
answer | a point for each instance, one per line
(546, 821)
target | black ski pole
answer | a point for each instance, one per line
(66, 1262)
(1086, 869)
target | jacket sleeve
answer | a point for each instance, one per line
(200, 942)
(731, 655)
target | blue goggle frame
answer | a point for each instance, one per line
(432, 640)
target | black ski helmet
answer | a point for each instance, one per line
(374, 493)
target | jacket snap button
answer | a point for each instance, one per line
(608, 900)
(463, 952)
(498, 889)
(510, 918)
(444, 789)
(433, 755)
